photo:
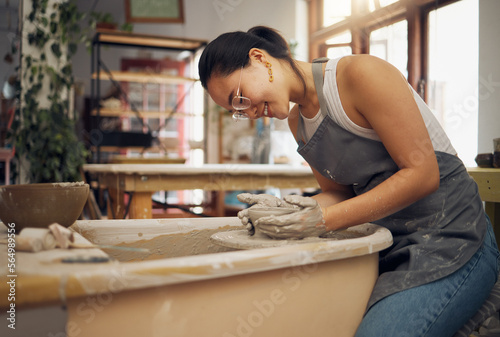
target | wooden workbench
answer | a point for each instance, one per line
(145, 179)
(488, 180)
(6, 155)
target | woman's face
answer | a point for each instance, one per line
(265, 96)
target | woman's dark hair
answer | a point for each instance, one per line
(229, 52)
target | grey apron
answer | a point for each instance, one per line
(434, 236)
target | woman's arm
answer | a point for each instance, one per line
(374, 94)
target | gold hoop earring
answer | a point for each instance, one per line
(270, 71)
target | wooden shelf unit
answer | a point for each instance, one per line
(114, 37)
(143, 77)
(100, 73)
(110, 112)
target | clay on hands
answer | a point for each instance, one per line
(258, 200)
(305, 222)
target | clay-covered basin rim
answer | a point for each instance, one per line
(44, 186)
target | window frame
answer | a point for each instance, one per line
(362, 22)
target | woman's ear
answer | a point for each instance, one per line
(257, 55)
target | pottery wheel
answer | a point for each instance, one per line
(241, 239)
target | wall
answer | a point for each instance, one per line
(489, 75)
(206, 19)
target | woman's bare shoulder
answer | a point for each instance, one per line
(357, 67)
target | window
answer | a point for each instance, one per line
(453, 74)
(375, 4)
(339, 45)
(335, 11)
(427, 40)
(390, 43)
(338, 51)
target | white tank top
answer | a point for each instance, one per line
(336, 112)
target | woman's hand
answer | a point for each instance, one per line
(306, 221)
(256, 201)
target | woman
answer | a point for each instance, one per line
(379, 156)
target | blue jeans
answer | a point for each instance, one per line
(439, 308)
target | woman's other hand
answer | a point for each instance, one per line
(306, 221)
(258, 200)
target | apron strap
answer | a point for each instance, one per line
(317, 69)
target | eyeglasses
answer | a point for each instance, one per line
(240, 103)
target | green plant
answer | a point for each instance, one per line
(96, 18)
(102, 17)
(43, 131)
(99, 17)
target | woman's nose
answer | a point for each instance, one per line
(252, 112)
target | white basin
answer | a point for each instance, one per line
(190, 286)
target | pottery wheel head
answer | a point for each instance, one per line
(241, 239)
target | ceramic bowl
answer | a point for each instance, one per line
(257, 212)
(484, 160)
(39, 205)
